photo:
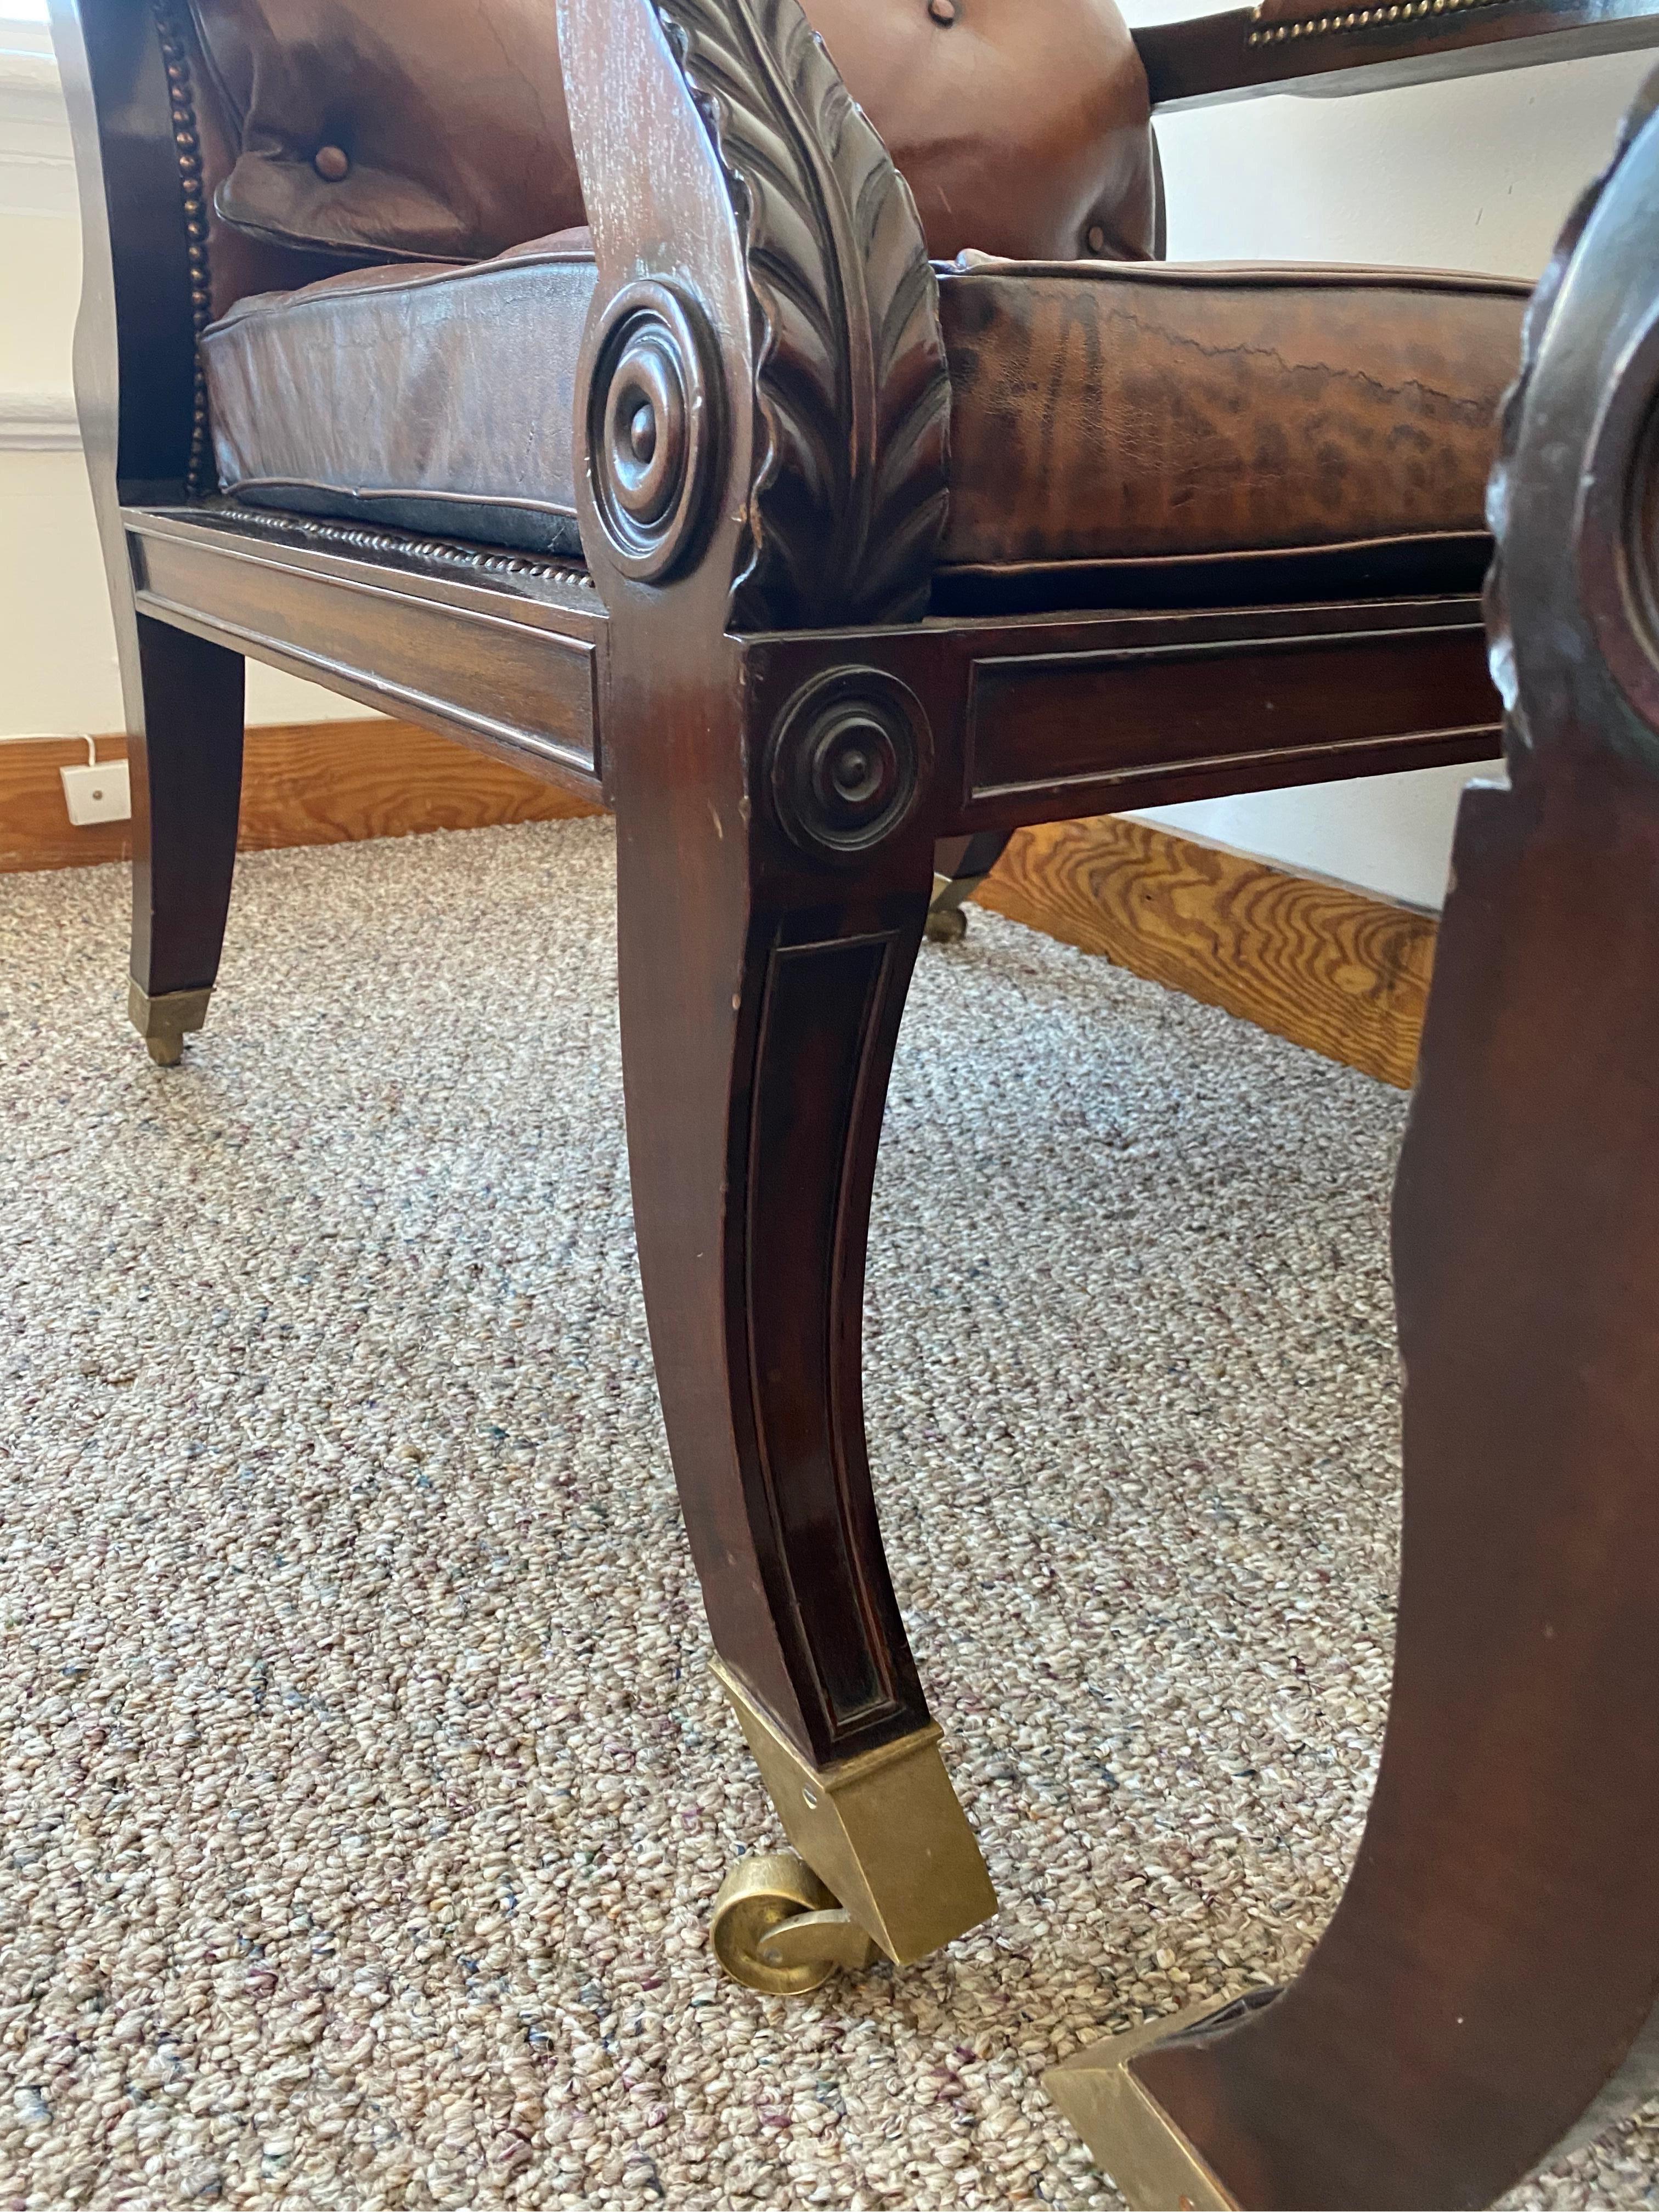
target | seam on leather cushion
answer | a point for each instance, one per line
(403, 276)
(1251, 275)
(1427, 566)
(245, 487)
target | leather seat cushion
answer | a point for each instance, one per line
(425, 399)
(437, 131)
(1126, 435)
(1275, 431)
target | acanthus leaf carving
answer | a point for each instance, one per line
(850, 490)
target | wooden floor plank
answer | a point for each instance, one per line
(319, 783)
(1332, 969)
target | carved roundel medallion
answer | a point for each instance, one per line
(847, 761)
(651, 431)
(1617, 526)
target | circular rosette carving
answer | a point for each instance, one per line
(847, 762)
(1619, 524)
(651, 431)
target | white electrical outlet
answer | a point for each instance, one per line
(103, 794)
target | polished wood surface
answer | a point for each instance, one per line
(1345, 975)
(1233, 55)
(762, 979)
(1490, 1983)
(303, 783)
(1034, 717)
(185, 756)
(507, 657)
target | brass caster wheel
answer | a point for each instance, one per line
(946, 925)
(777, 1928)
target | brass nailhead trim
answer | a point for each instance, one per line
(181, 95)
(394, 541)
(1360, 19)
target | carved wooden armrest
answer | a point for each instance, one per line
(1295, 45)
(767, 398)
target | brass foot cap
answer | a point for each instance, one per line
(164, 1023)
(883, 1830)
(1130, 2135)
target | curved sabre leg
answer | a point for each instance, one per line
(1487, 1992)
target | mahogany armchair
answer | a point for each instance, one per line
(826, 567)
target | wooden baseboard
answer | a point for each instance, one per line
(318, 783)
(1345, 974)
(1328, 968)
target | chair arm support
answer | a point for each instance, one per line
(725, 164)
(1293, 45)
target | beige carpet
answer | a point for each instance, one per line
(365, 1791)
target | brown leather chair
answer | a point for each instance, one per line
(609, 402)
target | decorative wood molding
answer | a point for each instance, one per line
(401, 545)
(1615, 538)
(321, 783)
(843, 526)
(39, 422)
(850, 753)
(1332, 969)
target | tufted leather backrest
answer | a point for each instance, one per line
(374, 131)
(1022, 127)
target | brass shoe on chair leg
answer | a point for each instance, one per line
(1130, 2135)
(947, 921)
(883, 1832)
(164, 1023)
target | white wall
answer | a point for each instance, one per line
(1477, 175)
(58, 671)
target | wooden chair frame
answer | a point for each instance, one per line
(747, 673)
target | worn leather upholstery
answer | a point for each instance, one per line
(237, 263)
(1023, 127)
(436, 129)
(425, 399)
(1158, 432)
(445, 119)
(1120, 434)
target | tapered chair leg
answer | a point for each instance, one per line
(185, 749)
(960, 866)
(761, 995)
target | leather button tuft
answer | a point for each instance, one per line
(942, 11)
(1096, 241)
(333, 164)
